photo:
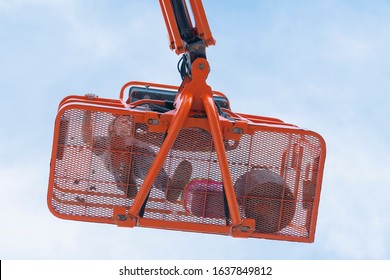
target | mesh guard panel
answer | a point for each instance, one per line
(100, 158)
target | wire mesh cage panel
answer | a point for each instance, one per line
(102, 154)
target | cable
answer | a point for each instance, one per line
(179, 64)
(182, 67)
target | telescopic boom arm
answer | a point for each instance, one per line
(185, 37)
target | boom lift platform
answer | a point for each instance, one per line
(179, 158)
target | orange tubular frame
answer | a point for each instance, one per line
(191, 92)
(125, 216)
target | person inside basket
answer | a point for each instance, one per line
(128, 159)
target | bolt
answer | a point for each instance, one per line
(238, 130)
(245, 229)
(121, 217)
(201, 66)
(153, 122)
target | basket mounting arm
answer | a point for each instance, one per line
(178, 118)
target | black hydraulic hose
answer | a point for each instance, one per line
(183, 20)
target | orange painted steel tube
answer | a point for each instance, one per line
(216, 133)
(202, 24)
(173, 29)
(173, 130)
(147, 101)
(166, 20)
(185, 226)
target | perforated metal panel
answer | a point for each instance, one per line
(274, 170)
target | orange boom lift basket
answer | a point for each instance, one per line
(178, 158)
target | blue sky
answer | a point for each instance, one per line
(323, 65)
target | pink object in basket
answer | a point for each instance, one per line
(204, 198)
